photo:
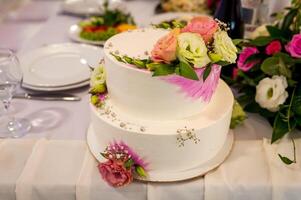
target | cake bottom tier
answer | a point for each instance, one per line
(174, 150)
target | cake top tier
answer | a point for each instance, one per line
(136, 44)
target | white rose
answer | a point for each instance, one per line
(270, 92)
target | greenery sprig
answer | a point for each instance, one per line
(172, 24)
(160, 69)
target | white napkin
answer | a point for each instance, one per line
(52, 171)
(91, 186)
(286, 179)
(13, 157)
(244, 175)
(191, 189)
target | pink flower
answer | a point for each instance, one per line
(294, 46)
(244, 55)
(165, 48)
(122, 149)
(197, 89)
(273, 47)
(234, 73)
(203, 25)
(115, 174)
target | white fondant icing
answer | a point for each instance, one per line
(159, 143)
(172, 132)
(134, 91)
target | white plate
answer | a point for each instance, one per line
(74, 32)
(90, 7)
(59, 65)
(53, 89)
(161, 176)
(157, 19)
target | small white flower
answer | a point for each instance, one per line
(270, 92)
(98, 76)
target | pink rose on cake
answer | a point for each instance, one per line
(244, 55)
(294, 46)
(203, 25)
(165, 48)
(114, 174)
(122, 162)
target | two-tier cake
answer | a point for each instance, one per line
(156, 126)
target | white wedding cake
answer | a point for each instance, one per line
(177, 136)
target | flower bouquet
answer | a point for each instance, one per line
(268, 75)
(190, 57)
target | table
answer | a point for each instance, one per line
(252, 171)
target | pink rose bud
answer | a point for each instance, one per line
(115, 174)
(165, 48)
(203, 25)
(294, 46)
(273, 47)
(244, 55)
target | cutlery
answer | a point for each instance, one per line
(47, 96)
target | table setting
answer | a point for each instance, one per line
(149, 99)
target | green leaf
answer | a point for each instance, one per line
(285, 159)
(140, 171)
(153, 66)
(177, 70)
(287, 59)
(128, 59)
(129, 163)
(298, 119)
(163, 70)
(254, 57)
(296, 105)
(237, 41)
(222, 63)
(275, 66)
(280, 128)
(270, 66)
(276, 33)
(288, 19)
(207, 72)
(104, 155)
(261, 41)
(139, 63)
(118, 58)
(187, 71)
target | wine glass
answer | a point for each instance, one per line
(10, 79)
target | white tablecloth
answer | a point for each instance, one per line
(252, 171)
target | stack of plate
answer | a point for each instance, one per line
(59, 66)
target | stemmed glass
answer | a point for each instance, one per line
(10, 79)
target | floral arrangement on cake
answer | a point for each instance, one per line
(190, 57)
(121, 165)
(268, 75)
(111, 22)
